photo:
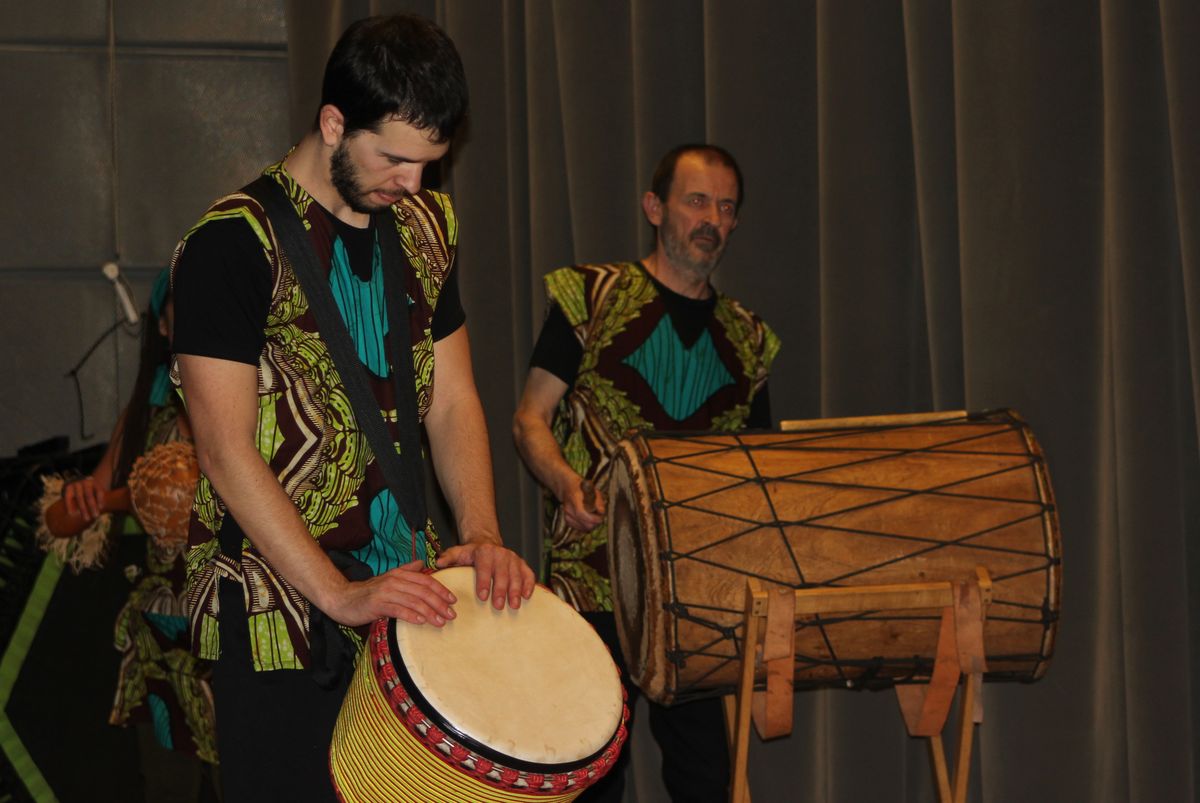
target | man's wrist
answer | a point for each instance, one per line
(481, 537)
(327, 594)
(568, 481)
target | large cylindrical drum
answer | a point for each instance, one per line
(897, 499)
(494, 707)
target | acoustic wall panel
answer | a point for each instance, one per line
(56, 160)
(190, 129)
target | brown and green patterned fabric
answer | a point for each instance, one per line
(636, 372)
(160, 681)
(306, 429)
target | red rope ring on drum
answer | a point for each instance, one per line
(456, 755)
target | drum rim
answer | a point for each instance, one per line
(475, 746)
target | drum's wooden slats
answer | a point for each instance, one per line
(875, 454)
(1048, 565)
(963, 541)
(927, 490)
(781, 528)
(816, 520)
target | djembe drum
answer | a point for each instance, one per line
(494, 707)
(861, 501)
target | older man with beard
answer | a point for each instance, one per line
(649, 345)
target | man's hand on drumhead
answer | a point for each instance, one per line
(500, 573)
(405, 593)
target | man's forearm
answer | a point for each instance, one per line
(267, 516)
(542, 454)
(462, 460)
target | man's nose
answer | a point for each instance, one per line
(408, 177)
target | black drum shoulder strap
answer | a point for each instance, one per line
(403, 472)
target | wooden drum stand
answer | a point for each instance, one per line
(770, 618)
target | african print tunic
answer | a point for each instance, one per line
(160, 681)
(636, 372)
(307, 431)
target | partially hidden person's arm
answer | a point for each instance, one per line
(84, 498)
(458, 440)
(535, 441)
(222, 404)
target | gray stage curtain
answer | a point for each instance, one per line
(949, 204)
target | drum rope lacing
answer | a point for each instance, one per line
(689, 611)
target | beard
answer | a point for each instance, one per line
(697, 252)
(344, 177)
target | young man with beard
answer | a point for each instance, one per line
(649, 345)
(289, 485)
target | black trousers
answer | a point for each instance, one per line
(273, 728)
(691, 736)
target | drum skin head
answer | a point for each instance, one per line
(634, 567)
(536, 683)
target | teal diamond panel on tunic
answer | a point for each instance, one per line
(682, 378)
(362, 307)
(390, 545)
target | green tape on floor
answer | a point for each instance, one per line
(10, 667)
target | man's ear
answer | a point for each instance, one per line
(331, 123)
(652, 207)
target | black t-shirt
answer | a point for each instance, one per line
(559, 351)
(222, 287)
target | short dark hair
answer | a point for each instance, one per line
(400, 67)
(664, 174)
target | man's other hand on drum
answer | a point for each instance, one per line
(500, 573)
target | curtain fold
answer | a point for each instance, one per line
(1140, 280)
(929, 66)
(1180, 19)
(949, 204)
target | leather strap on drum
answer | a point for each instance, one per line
(959, 651)
(404, 472)
(772, 709)
(968, 620)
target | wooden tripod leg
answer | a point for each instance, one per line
(941, 776)
(966, 735)
(729, 706)
(739, 784)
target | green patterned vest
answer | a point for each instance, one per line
(636, 372)
(306, 429)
